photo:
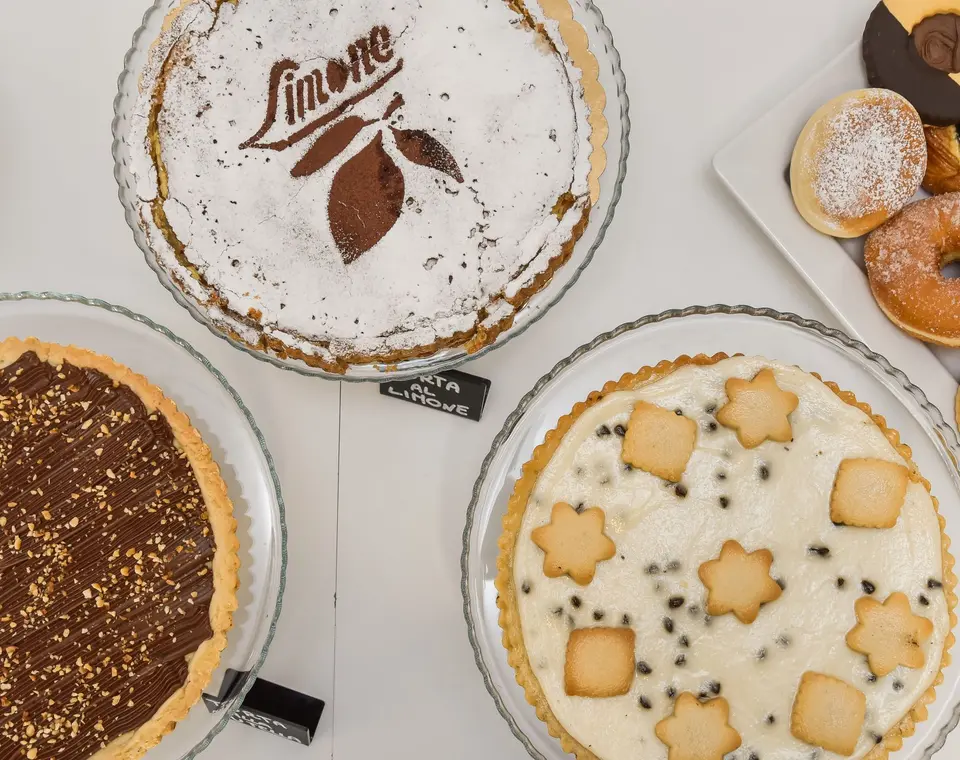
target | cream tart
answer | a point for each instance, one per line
(725, 555)
(118, 558)
(346, 183)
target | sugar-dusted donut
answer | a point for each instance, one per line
(905, 259)
(858, 161)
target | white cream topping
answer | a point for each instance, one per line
(758, 666)
(508, 110)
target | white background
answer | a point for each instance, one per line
(376, 489)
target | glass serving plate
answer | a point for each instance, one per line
(617, 147)
(738, 329)
(238, 446)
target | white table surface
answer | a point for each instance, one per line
(375, 489)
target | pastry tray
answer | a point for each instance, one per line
(617, 147)
(695, 330)
(239, 449)
(754, 167)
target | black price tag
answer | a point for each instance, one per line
(452, 392)
(271, 708)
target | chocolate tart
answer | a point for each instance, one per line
(354, 183)
(118, 558)
(647, 592)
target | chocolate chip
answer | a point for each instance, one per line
(821, 551)
(625, 620)
(580, 507)
(871, 678)
(923, 600)
(675, 601)
(620, 430)
(770, 719)
(783, 640)
(668, 625)
(525, 587)
(934, 583)
(721, 475)
(680, 661)
(868, 587)
(715, 687)
(684, 642)
(724, 502)
(653, 569)
(678, 412)
(703, 696)
(711, 427)
(597, 615)
(671, 692)
(781, 583)
(628, 467)
(762, 654)
(603, 431)
(673, 565)
(643, 669)
(557, 611)
(575, 601)
(710, 409)
(680, 490)
(898, 685)
(645, 703)
(764, 472)
(841, 582)
(876, 738)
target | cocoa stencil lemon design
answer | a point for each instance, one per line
(366, 198)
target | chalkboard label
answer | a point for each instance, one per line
(271, 708)
(452, 392)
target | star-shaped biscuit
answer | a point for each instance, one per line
(573, 543)
(758, 410)
(739, 582)
(698, 731)
(889, 634)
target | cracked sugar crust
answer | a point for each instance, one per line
(253, 244)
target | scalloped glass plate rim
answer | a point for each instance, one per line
(447, 358)
(948, 441)
(229, 709)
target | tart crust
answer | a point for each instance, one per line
(512, 520)
(226, 561)
(479, 336)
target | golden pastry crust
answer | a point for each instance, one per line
(943, 162)
(512, 520)
(472, 340)
(226, 561)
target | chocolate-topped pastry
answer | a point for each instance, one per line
(118, 558)
(913, 48)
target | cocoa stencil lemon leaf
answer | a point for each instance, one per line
(424, 149)
(366, 199)
(329, 145)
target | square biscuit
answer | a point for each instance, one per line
(869, 493)
(600, 662)
(828, 713)
(659, 441)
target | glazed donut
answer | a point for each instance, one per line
(904, 262)
(943, 160)
(858, 161)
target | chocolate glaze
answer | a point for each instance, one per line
(937, 39)
(894, 63)
(105, 552)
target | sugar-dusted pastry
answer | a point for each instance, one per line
(367, 182)
(780, 581)
(857, 162)
(905, 260)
